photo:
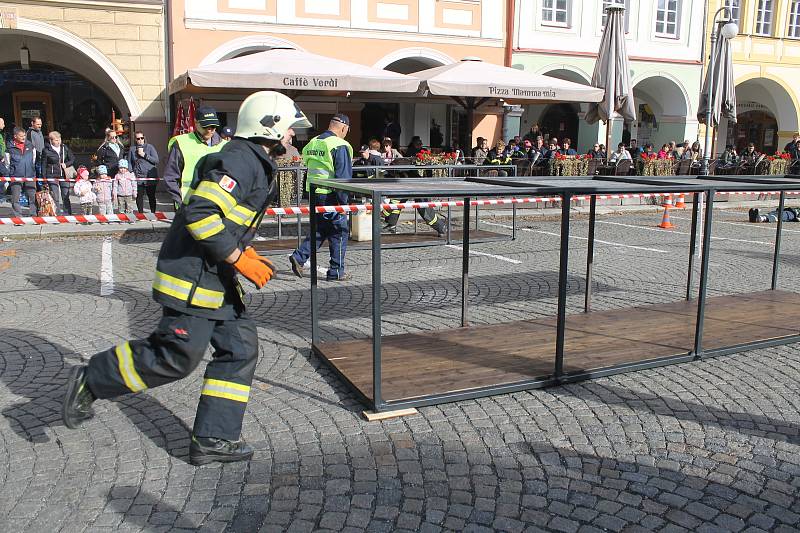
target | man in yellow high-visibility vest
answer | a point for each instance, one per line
(187, 149)
(328, 156)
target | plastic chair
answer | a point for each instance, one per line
(623, 167)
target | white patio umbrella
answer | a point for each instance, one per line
(472, 82)
(613, 74)
(294, 70)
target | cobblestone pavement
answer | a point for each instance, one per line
(707, 446)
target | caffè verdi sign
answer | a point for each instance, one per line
(310, 82)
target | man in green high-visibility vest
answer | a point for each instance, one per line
(187, 149)
(328, 156)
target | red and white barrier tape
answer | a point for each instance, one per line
(15, 180)
(83, 219)
(350, 208)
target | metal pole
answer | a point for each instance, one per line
(377, 400)
(476, 218)
(692, 246)
(709, 104)
(776, 259)
(701, 297)
(299, 182)
(587, 302)
(561, 324)
(449, 229)
(513, 222)
(313, 235)
(465, 267)
(280, 228)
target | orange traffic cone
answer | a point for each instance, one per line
(665, 222)
(667, 203)
(680, 203)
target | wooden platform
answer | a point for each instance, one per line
(421, 364)
(423, 238)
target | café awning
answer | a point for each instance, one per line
(473, 78)
(294, 70)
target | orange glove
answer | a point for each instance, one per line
(259, 270)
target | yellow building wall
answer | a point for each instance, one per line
(775, 58)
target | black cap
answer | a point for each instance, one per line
(364, 148)
(206, 116)
(341, 117)
(227, 131)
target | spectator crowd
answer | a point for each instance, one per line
(120, 178)
(118, 182)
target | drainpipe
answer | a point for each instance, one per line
(510, 5)
(168, 60)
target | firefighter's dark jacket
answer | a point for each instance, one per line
(228, 195)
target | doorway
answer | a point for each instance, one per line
(757, 127)
(30, 104)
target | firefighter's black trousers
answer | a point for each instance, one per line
(172, 352)
(428, 214)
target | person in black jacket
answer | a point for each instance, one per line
(143, 160)
(196, 282)
(55, 161)
(22, 164)
(110, 152)
(369, 157)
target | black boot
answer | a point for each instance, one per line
(753, 215)
(204, 450)
(440, 225)
(78, 399)
(389, 228)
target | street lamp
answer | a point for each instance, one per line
(728, 31)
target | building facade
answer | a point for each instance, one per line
(75, 64)
(398, 35)
(665, 44)
(766, 57)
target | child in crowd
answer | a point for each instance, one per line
(124, 189)
(103, 186)
(83, 189)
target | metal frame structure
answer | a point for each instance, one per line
(566, 189)
(298, 171)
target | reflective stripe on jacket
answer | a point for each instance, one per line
(224, 204)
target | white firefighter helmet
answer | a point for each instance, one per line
(268, 115)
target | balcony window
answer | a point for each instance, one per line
(764, 17)
(622, 3)
(667, 18)
(555, 12)
(794, 19)
(734, 6)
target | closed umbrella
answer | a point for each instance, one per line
(718, 96)
(612, 73)
(180, 121)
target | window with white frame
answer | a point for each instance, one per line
(555, 12)
(667, 18)
(622, 3)
(764, 16)
(794, 19)
(734, 6)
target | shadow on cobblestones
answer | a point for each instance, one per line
(705, 415)
(36, 368)
(416, 482)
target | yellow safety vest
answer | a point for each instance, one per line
(192, 149)
(317, 156)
